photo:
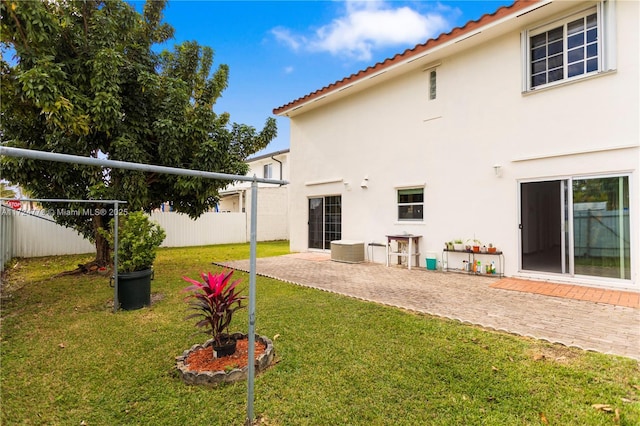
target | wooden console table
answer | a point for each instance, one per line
(413, 245)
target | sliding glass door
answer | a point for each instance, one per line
(576, 226)
(325, 221)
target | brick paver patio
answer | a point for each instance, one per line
(599, 295)
(607, 321)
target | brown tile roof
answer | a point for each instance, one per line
(429, 44)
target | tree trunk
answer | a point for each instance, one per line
(103, 251)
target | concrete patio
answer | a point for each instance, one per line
(602, 326)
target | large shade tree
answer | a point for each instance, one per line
(85, 78)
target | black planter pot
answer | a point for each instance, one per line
(134, 289)
(228, 347)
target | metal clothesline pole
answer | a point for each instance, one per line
(252, 299)
(115, 164)
(74, 159)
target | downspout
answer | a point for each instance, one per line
(279, 162)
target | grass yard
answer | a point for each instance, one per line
(67, 359)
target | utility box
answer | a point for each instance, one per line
(347, 251)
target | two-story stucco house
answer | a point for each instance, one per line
(520, 129)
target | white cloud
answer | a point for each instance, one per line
(288, 70)
(366, 26)
(284, 35)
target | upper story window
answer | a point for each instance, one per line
(431, 71)
(568, 48)
(268, 171)
(432, 85)
(410, 204)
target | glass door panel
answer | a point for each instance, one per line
(601, 230)
(332, 220)
(541, 224)
(316, 225)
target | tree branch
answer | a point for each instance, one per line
(18, 25)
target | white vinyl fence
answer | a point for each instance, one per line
(210, 228)
(33, 233)
(6, 235)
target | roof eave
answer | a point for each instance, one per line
(442, 44)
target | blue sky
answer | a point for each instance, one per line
(279, 51)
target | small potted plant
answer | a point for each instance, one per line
(215, 300)
(457, 245)
(475, 245)
(138, 242)
(491, 248)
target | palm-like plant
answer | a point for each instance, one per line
(215, 299)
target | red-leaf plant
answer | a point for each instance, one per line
(216, 300)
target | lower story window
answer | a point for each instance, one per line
(411, 204)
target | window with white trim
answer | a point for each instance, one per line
(567, 49)
(410, 204)
(268, 170)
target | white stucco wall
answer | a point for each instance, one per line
(392, 134)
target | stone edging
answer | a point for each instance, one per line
(211, 378)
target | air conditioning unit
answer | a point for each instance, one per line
(347, 251)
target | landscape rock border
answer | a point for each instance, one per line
(213, 378)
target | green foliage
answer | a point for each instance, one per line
(85, 80)
(138, 241)
(215, 300)
(6, 192)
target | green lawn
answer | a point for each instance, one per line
(67, 358)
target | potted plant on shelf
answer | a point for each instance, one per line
(457, 245)
(475, 245)
(491, 248)
(215, 299)
(138, 242)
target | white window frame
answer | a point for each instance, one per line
(267, 170)
(605, 18)
(399, 204)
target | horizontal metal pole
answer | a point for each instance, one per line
(62, 200)
(99, 162)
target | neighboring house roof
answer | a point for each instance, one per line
(409, 54)
(268, 155)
